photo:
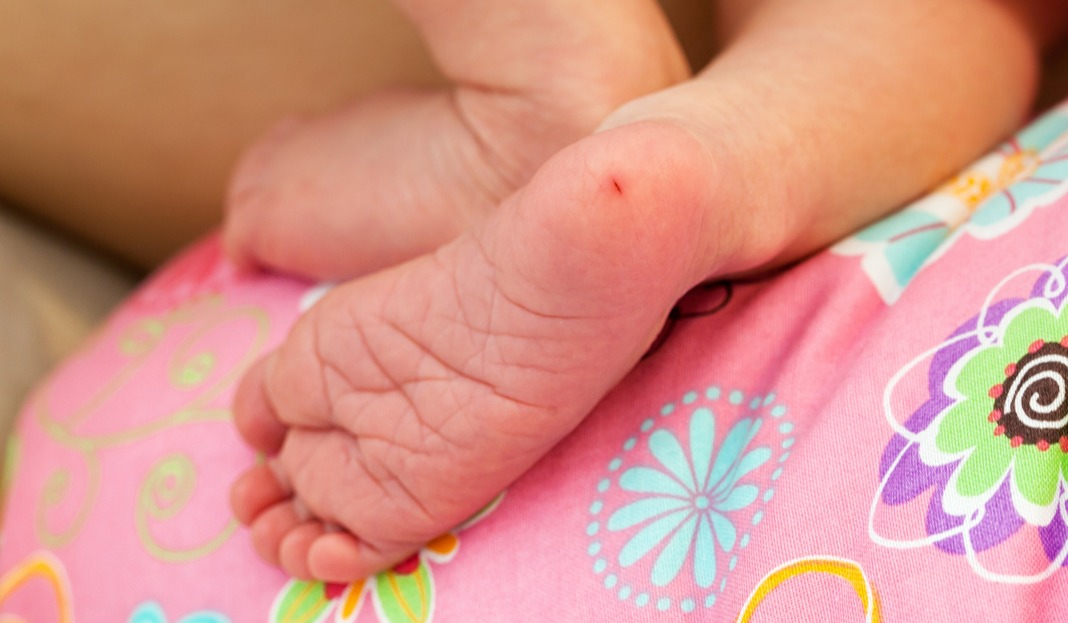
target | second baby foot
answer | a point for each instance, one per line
(405, 401)
(404, 170)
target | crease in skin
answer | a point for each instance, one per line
(427, 351)
(530, 311)
(337, 394)
(326, 395)
(489, 258)
(323, 507)
(399, 387)
(383, 370)
(466, 319)
(493, 334)
(382, 477)
(368, 438)
(492, 329)
(491, 173)
(458, 375)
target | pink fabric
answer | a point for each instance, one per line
(875, 434)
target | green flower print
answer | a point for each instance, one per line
(1009, 417)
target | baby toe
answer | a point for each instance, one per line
(256, 490)
(254, 415)
(271, 526)
(294, 547)
(341, 557)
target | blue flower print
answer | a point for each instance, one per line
(688, 499)
(684, 497)
(1032, 165)
(151, 612)
(990, 198)
(906, 239)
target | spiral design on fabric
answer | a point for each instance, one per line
(167, 488)
(62, 508)
(165, 492)
(1037, 395)
(1033, 405)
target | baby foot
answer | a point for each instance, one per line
(403, 171)
(405, 401)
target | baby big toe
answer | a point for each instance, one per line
(254, 414)
(340, 557)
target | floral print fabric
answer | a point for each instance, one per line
(985, 201)
(681, 511)
(992, 439)
(877, 434)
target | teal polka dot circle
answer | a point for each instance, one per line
(713, 451)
